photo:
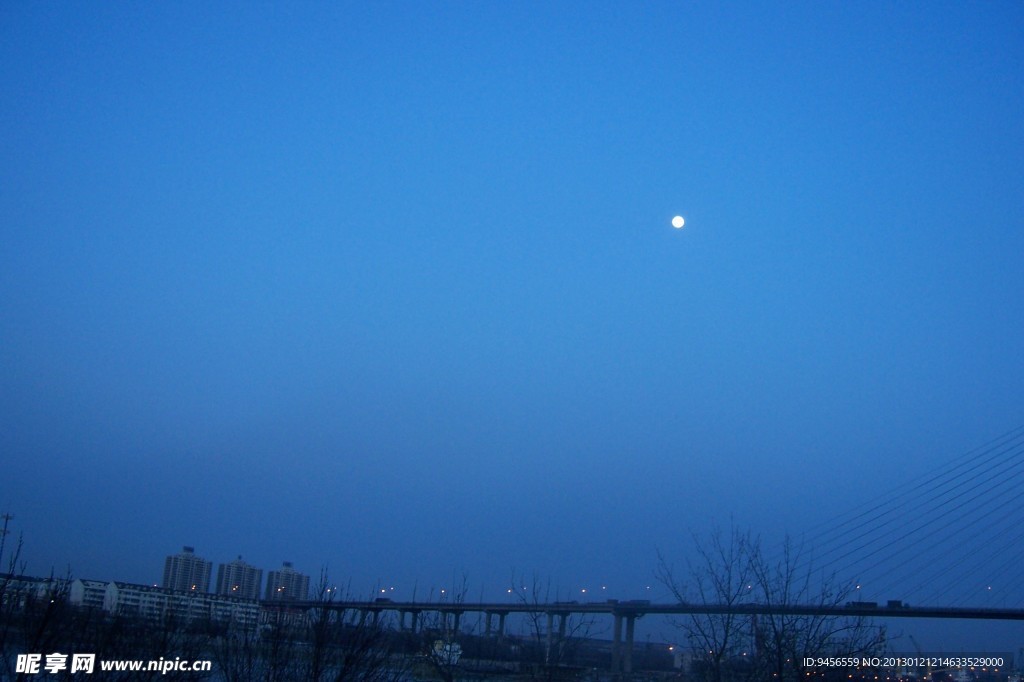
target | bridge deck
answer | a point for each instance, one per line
(635, 609)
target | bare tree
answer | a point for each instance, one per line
(346, 645)
(279, 644)
(439, 646)
(237, 649)
(45, 622)
(34, 612)
(10, 596)
(552, 640)
(735, 570)
(785, 639)
(721, 574)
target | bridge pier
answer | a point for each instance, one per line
(455, 615)
(413, 618)
(489, 623)
(550, 643)
(616, 643)
(562, 617)
(627, 666)
(622, 656)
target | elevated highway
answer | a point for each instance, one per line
(625, 613)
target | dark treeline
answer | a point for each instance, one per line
(326, 643)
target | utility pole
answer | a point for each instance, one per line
(3, 538)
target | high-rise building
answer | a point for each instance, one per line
(239, 579)
(287, 584)
(187, 572)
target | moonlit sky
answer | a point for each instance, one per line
(393, 287)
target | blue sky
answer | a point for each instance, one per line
(392, 287)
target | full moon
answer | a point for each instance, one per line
(678, 222)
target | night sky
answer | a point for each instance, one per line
(392, 287)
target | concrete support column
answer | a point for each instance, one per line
(401, 621)
(628, 662)
(561, 634)
(414, 618)
(489, 630)
(455, 623)
(617, 644)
